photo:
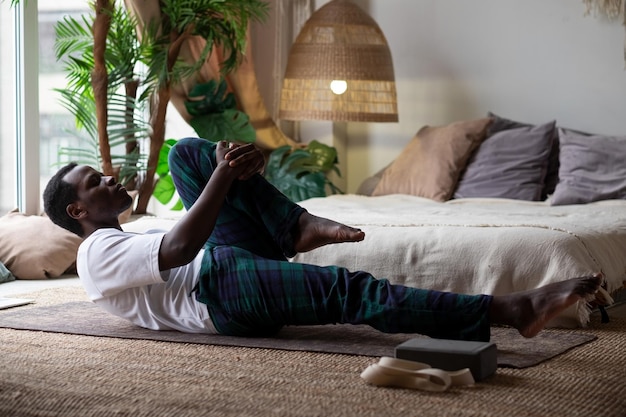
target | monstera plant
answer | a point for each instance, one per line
(214, 114)
(301, 172)
(214, 118)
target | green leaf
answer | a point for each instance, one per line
(178, 206)
(214, 114)
(281, 163)
(274, 161)
(306, 186)
(164, 189)
(73, 36)
(230, 125)
(287, 170)
(209, 98)
(324, 156)
(163, 166)
(301, 173)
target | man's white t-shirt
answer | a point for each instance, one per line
(120, 272)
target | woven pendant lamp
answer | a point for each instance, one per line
(341, 45)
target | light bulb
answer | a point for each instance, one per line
(338, 86)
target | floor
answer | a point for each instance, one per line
(18, 287)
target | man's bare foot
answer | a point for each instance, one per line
(313, 232)
(529, 311)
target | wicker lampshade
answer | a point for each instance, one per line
(339, 42)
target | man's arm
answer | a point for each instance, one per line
(181, 244)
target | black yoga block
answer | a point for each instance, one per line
(452, 355)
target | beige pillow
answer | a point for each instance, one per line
(32, 247)
(432, 162)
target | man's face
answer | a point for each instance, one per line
(99, 195)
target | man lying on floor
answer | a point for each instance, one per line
(223, 267)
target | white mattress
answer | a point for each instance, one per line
(490, 246)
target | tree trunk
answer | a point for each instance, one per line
(131, 93)
(99, 80)
(132, 145)
(158, 121)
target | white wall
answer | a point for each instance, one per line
(532, 60)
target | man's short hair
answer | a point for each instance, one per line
(57, 196)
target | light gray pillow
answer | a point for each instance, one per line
(593, 168)
(510, 163)
(552, 174)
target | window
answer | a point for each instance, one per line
(8, 151)
(18, 161)
(56, 124)
(30, 139)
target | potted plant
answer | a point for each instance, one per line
(110, 98)
(96, 74)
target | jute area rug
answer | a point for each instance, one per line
(57, 374)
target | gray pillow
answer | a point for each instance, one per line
(593, 168)
(552, 175)
(510, 163)
(369, 184)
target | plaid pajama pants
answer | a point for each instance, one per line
(251, 289)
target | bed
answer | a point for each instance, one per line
(477, 245)
(490, 206)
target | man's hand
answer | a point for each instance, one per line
(183, 242)
(247, 160)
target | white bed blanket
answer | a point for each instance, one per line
(490, 246)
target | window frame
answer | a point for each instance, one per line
(28, 194)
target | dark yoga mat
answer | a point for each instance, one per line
(84, 318)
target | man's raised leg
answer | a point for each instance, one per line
(256, 216)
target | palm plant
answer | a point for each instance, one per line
(106, 63)
(125, 120)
